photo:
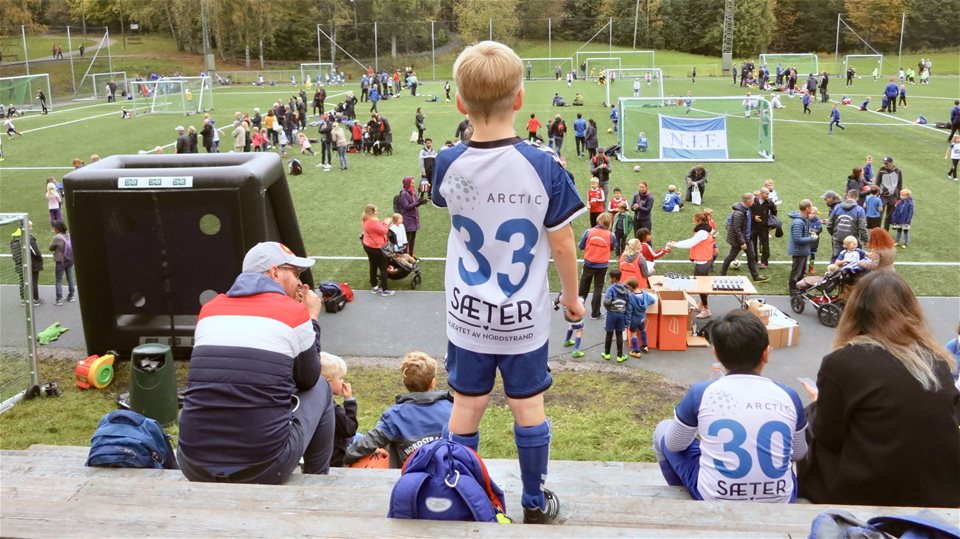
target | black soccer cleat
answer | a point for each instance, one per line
(539, 516)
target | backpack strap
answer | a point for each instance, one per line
(487, 484)
(406, 490)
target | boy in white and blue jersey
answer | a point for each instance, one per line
(511, 204)
(751, 428)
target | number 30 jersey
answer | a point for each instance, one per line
(504, 197)
(747, 425)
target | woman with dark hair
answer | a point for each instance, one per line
(590, 138)
(883, 425)
(374, 238)
(855, 182)
(881, 251)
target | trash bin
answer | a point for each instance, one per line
(153, 383)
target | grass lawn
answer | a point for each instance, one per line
(329, 204)
(595, 415)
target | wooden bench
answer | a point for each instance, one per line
(47, 491)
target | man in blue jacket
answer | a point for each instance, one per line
(892, 91)
(255, 402)
(954, 119)
(799, 242)
(580, 133)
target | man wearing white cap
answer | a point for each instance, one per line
(255, 402)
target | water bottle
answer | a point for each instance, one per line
(716, 370)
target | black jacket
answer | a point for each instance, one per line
(762, 209)
(344, 430)
(737, 230)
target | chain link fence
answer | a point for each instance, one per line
(18, 359)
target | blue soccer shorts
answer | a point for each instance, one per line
(473, 373)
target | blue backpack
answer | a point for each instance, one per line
(444, 480)
(126, 439)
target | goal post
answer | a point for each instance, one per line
(18, 355)
(179, 95)
(864, 64)
(701, 129)
(629, 58)
(315, 70)
(100, 81)
(594, 65)
(804, 62)
(650, 79)
(22, 92)
(546, 68)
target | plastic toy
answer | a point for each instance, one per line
(95, 371)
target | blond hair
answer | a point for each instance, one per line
(851, 240)
(419, 371)
(632, 248)
(489, 76)
(369, 211)
(332, 367)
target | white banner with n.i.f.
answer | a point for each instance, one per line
(693, 138)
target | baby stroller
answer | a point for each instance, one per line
(827, 294)
(399, 264)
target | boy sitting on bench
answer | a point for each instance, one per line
(750, 427)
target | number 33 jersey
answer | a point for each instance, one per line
(504, 197)
(747, 425)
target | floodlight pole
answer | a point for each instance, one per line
(109, 56)
(610, 36)
(433, 50)
(73, 81)
(550, 37)
(26, 56)
(376, 49)
(636, 20)
(836, 50)
(491, 29)
(903, 22)
(319, 54)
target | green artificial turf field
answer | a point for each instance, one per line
(329, 204)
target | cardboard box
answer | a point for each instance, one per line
(653, 322)
(675, 319)
(783, 336)
(762, 310)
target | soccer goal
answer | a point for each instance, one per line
(650, 79)
(596, 65)
(703, 129)
(180, 95)
(864, 64)
(316, 71)
(22, 92)
(628, 58)
(18, 357)
(546, 68)
(100, 81)
(805, 63)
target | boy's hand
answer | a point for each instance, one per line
(347, 391)
(574, 308)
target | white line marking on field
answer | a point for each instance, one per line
(908, 122)
(71, 122)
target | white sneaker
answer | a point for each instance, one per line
(375, 290)
(704, 313)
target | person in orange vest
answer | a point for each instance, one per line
(703, 251)
(596, 244)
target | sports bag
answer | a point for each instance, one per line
(127, 439)
(444, 480)
(334, 299)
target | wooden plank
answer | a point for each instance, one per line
(50, 519)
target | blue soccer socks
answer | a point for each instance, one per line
(533, 448)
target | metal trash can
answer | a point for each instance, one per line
(153, 383)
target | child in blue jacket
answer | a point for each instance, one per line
(902, 216)
(816, 227)
(637, 304)
(671, 201)
(615, 301)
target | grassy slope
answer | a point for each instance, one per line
(587, 424)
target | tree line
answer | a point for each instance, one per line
(287, 29)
